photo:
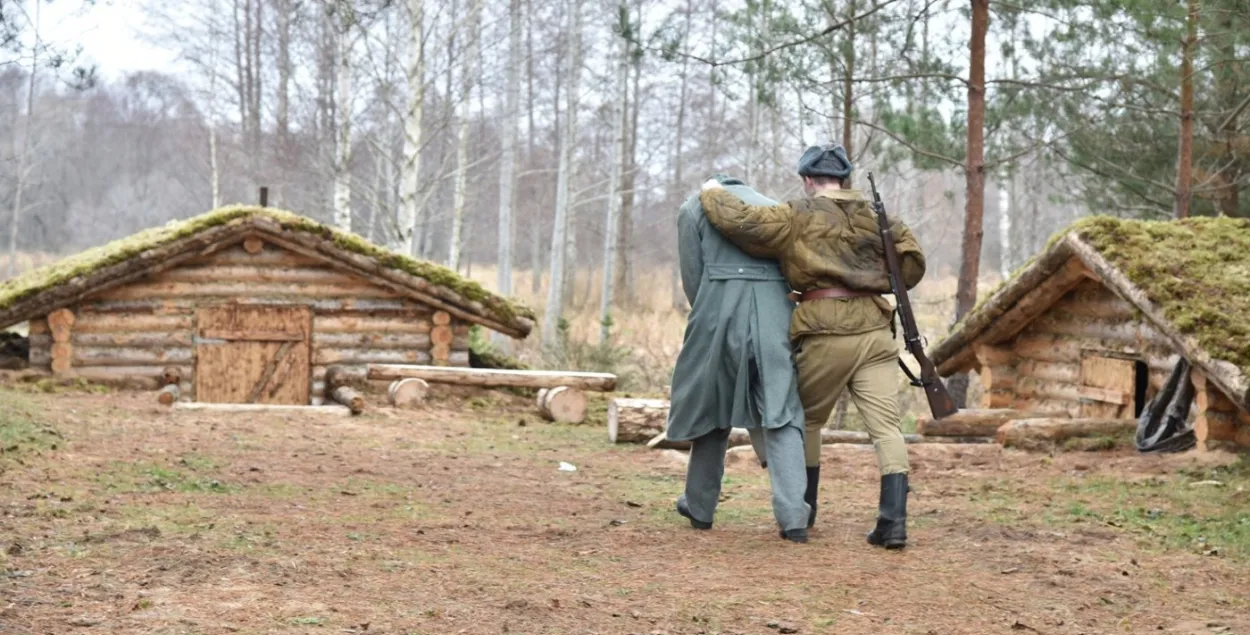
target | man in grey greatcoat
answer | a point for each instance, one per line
(735, 370)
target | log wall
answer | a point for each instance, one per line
(130, 334)
(1040, 368)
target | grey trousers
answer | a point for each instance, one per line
(784, 449)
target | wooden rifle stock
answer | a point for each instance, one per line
(940, 402)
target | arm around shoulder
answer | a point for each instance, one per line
(760, 230)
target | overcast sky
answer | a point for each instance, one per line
(110, 33)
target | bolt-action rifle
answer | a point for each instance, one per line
(940, 402)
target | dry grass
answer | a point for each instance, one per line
(456, 520)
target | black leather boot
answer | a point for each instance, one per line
(684, 510)
(891, 530)
(809, 497)
(795, 535)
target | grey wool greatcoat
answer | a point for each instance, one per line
(735, 368)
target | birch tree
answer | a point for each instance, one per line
(560, 242)
(469, 64)
(411, 204)
(22, 174)
(346, 22)
(619, 112)
(507, 157)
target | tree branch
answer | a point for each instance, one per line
(785, 45)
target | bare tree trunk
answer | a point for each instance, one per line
(621, 111)
(1006, 198)
(970, 260)
(23, 155)
(1230, 98)
(507, 159)
(624, 290)
(536, 252)
(257, 80)
(343, 110)
(284, 71)
(560, 223)
(410, 200)
(678, 298)
(379, 191)
(469, 62)
(1185, 154)
(214, 170)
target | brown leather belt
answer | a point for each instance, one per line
(833, 292)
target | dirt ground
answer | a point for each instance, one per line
(119, 517)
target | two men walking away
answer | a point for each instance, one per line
(829, 250)
(735, 370)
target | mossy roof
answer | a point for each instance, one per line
(81, 265)
(1195, 272)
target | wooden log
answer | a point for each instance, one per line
(136, 323)
(562, 404)
(233, 274)
(441, 354)
(253, 245)
(171, 375)
(602, 382)
(995, 355)
(1224, 426)
(414, 323)
(109, 356)
(371, 356)
(374, 340)
(997, 399)
(158, 289)
(105, 340)
(1024, 432)
(1125, 332)
(636, 420)
(1049, 371)
(168, 395)
(188, 305)
(442, 318)
(1048, 408)
(37, 326)
(351, 376)
(408, 393)
(997, 378)
(970, 423)
(237, 254)
(442, 335)
(349, 398)
(254, 408)
(60, 323)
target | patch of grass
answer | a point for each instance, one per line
(140, 476)
(1177, 513)
(308, 621)
(21, 430)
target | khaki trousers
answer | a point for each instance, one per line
(865, 364)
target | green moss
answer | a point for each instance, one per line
(1197, 271)
(91, 260)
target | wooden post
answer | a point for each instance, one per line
(61, 323)
(441, 337)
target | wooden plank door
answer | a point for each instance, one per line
(253, 354)
(1107, 385)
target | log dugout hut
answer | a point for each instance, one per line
(246, 305)
(1093, 326)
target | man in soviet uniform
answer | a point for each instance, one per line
(830, 251)
(735, 370)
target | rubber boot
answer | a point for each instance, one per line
(809, 497)
(891, 530)
(684, 510)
